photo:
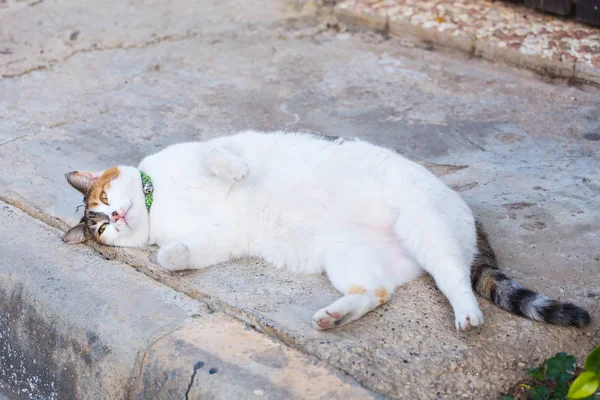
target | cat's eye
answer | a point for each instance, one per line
(101, 229)
(104, 198)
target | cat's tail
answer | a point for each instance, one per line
(494, 285)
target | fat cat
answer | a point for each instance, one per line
(369, 218)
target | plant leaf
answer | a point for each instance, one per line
(584, 386)
(536, 373)
(593, 361)
(561, 390)
(557, 366)
(539, 393)
(563, 377)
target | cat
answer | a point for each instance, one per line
(369, 218)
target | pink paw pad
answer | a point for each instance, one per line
(324, 319)
(335, 315)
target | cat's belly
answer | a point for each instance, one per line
(393, 259)
(302, 246)
(288, 244)
(402, 267)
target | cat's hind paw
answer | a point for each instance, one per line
(175, 256)
(324, 319)
(343, 311)
(467, 319)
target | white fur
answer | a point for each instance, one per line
(361, 213)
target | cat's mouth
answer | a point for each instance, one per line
(122, 222)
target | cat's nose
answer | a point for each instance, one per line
(116, 216)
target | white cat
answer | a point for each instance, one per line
(369, 218)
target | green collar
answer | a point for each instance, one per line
(148, 189)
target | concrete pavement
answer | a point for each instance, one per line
(97, 85)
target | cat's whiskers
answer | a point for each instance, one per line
(119, 251)
(229, 191)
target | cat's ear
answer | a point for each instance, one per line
(76, 234)
(82, 181)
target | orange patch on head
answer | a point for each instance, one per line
(382, 294)
(93, 197)
(356, 289)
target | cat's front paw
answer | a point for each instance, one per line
(238, 170)
(174, 256)
(228, 166)
(466, 319)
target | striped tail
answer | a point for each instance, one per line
(494, 285)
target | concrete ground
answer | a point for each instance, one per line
(86, 85)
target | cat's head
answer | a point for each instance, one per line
(115, 210)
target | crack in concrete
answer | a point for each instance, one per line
(321, 27)
(27, 71)
(96, 48)
(80, 120)
(133, 387)
(13, 139)
(197, 366)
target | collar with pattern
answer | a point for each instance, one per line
(148, 189)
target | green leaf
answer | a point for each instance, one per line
(536, 373)
(539, 393)
(563, 377)
(593, 361)
(558, 367)
(584, 386)
(561, 390)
